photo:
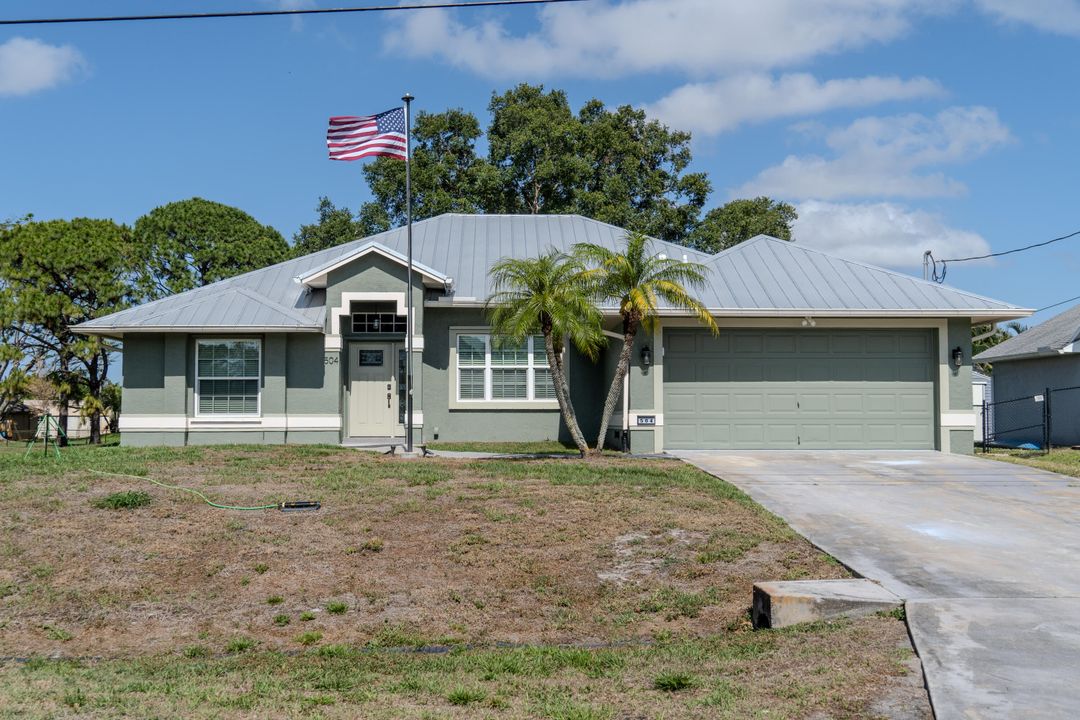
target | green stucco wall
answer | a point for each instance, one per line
(961, 440)
(584, 378)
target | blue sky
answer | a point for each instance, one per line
(893, 125)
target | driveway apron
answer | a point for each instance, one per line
(986, 554)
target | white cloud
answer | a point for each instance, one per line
(886, 157)
(882, 233)
(606, 39)
(28, 65)
(1054, 16)
(714, 107)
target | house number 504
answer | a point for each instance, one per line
(330, 360)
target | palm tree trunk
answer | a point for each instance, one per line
(621, 368)
(562, 394)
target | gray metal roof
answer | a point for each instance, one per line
(1052, 337)
(762, 276)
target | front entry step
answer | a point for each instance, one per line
(783, 603)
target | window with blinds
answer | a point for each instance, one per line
(228, 376)
(492, 368)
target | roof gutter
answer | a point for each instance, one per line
(119, 330)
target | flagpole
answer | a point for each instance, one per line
(409, 329)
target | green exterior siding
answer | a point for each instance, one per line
(584, 378)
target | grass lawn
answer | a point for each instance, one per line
(1064, 461)
(554, 588)
(537, 447)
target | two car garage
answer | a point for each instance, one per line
(805, 388)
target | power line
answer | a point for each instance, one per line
(266, 13)
(931, 270)
(1057, 303)
(1014, 250)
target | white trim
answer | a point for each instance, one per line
(334, 341)
(634, 416)
(313, 422)
(530, 402)
(349, 297)
(955, 420)
(258, 380)
(142, 423)
(977, 315)
(174, 423)
(317, 278)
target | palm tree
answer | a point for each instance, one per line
(637, 278)
(548, 295)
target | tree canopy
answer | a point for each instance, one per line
(335, 226)
(740, 220)
(611, 165)
(54, 275)
(190, 243)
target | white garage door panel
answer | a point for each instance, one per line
(812, 389)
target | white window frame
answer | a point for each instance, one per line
(489, 402)
(258, 380)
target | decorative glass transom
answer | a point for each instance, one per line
(370, 318)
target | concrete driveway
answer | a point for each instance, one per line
(987, 555)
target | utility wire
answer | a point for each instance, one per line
(265, 13)
(1058, 303)
(938, 274)
(1014, 250)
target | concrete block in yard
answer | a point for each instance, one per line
(783, 603)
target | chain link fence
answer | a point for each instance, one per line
(1030, 422)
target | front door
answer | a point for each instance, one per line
(372, 390)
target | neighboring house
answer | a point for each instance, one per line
(1024, 366)
(21, 422)
(814, 351)
(982, 394)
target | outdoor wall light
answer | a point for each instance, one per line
(958, 356)
(646, 356)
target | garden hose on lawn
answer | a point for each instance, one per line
(293, 506)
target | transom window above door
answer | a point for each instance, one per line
(370, 318)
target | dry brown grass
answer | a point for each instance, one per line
(419, 553)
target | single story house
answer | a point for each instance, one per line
(1025, 366)
(814, 351)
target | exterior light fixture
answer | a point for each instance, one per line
(957, 356)
(646, 356)
(809, 322)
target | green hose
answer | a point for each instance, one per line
(196, 493)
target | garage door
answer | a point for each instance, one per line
(790, 389)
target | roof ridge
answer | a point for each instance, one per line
(895, 273)
(259, 297)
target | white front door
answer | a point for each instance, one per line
(372, 390)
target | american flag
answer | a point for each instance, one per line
(355, 137)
